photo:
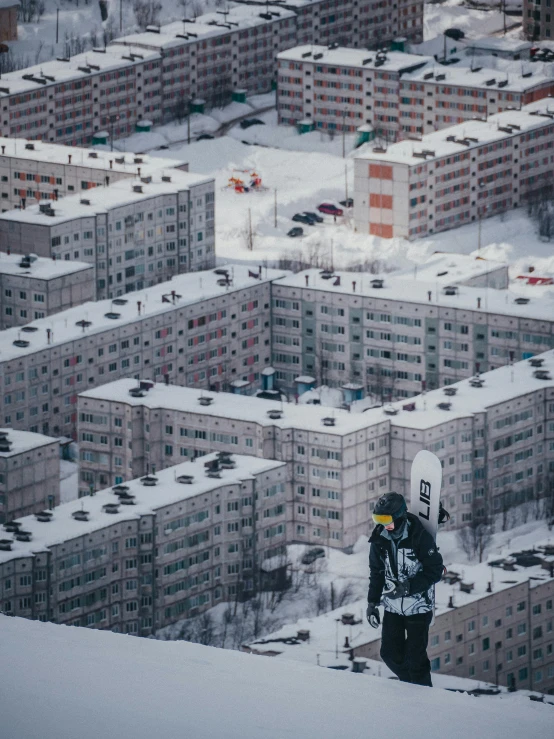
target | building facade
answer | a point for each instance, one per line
(201, 330)
(537, 21)
(459, 175)
(494, 436)
(156, 74)
(36, 170)
(134, 232)
(29, 473)
(33, 288)
(504, 638)
(69, 100)
(400, 95)
(337, 465)
(398, 336)
(151, 552)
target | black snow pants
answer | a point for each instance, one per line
(404, 646)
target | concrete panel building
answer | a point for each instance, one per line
(29, 473)
(33, 288)
(159, 72)
(36, 170)
(396, 336)
(134, 232)
(494, 435)
(337, 462)
(461, 174)
(70, 100)
(537, 21)
(201, 329)
(141, 556)
(400, 95)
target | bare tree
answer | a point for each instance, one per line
(475, 538)
(147, 12)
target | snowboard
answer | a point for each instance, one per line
(425, 490)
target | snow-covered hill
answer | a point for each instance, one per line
(61, 682)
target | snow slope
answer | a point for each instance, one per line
(63, 683)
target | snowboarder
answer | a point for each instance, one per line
(404, 566)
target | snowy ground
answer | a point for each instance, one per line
(109, 685)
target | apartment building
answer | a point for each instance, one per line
(29, 473)
(337, 462)
(191, 329)
(135, 232)
(398, 335)
(156, 74)
(492, 622)
(144, 555)
(33, 287)
(461, 174)
(400, 95)
(537, 20)
(37, 170)
(494, 435)
(69, 100)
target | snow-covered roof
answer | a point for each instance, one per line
(500, 43)
(63, 526)
(393, 61)
(9, 4)
(540, 306)
(240, 407)
(480, 77)
(449, 140)
(40, 76)
(499, 386)
(448, 268)
(41, 268)
(189, 288)
(43, 151)
(24, 441)
(135, 687)
(102, 199)
(208, 25)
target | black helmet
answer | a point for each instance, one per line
(390, 504)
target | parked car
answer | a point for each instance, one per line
(303, 218)
(455, 33)
(312, 554)
(329, 209)
(204, 136)
(348, 203)
(247, 122)
(296, 231)
(314, 216)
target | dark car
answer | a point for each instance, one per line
(455, 33)
(312, 554)
(348, 203)
(247, 122)
(303, 218)
(314, 216)
(296, 231)
(205, 136)
(329, 209)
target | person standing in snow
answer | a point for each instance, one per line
(404, 565)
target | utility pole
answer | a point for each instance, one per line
(346, 180)
(343, 135)
(250, 237)
(275, 210)
(57, 24)
(120, 15)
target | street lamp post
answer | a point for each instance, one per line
(480, 213)
(188, 119)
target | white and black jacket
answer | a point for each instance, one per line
(414, 558)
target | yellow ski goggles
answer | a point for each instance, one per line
(385, 520)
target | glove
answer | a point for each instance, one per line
(400, 591)
(372, 614)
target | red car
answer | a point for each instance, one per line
(329, 209)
